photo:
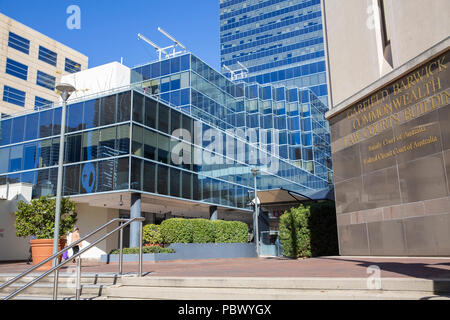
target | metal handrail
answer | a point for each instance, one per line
(56, 255)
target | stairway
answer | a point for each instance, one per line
(93, 286)
(237, 288)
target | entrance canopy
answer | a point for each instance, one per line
(285, 196)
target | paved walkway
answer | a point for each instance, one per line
(340, 267)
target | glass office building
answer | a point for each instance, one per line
(278, 41)
(124, 140)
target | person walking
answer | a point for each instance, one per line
(75, 237)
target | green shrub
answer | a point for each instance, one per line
(230, 231)
(202, 231)
(151, 234)
(176, 230)
(144, 250)
(309, 231)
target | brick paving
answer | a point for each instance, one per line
(339, 267)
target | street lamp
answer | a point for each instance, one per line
(65, 90)
(256, 216)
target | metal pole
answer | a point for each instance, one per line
(59, 181)
(257, 220)
(55, 285)
(121, 249)
(140, 250)
(78, 285)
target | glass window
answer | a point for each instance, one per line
(16, 69)
(47, 55)
(29, 156)
(90, 145)
(175, 82)
(18, 129)
(163, 115)
(108, 110)
(4, 160)
(54, 154)
(174, 182)
(107, 143)
(184, 62)
(91, 114)
(105, 175)
(41, 102)
(71, 66)
(5, 131)
(165, 67)
(57, 121)
(44, 153)
(156, 69)
(123, 139)
(45, 80)
(14, 96)
(163, 148)
(165, 84)
(138, 107)
(121, 171)
(175, 65)
(19, 43)
(72, 180)
(43, 183)
(175, 98)
(73, 148)
(175, 120)
(149, 175)
(123, 106)
(32, 126)
(184, 80)
(28, 177)
(88, 177)
(15, 158)
(163, 178)
(186, 185)
(136, 173)
(150, 144)
(74, 117)
(151, 109)
(137, 143)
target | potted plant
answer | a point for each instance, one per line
(37, 219)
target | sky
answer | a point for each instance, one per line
(109, 28)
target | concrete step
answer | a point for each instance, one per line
(239, 288)
(92, 286)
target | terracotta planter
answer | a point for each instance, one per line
(41, 249)
(153, 245)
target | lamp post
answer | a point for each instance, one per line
(256, 227)
(65, 90)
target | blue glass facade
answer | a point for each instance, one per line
(279, 41)
(290, 121)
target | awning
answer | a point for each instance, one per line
(284, 196)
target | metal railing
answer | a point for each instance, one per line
(122, 224)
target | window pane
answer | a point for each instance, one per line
(45, 123)
(123, 106)
(151, 109)
(174, 182)
(163, 118)
(73, 148)
(14, 96)
(149, 176)
(47, 56)
(18, 129)
(123, 139)
(108, 110)
(74, 117)
(4, 160)
(19, 43)
(91, 114)
(136, 174)
(88, 177)
(45, 80)
(150, 144)
(175, 120)
(163, 178)
(105, 175)
(72, 180)
(16, 69)
(186, 185)
(137, 143)
(44, 153)
(107, 141)
(5, 132)
(121, 171)
(138, 107)
(163, 149)
(90, 145)
(29, 156)
(15, 158)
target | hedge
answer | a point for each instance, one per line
(179, 230)
(144, 250)
(309, 231)
(151, 234)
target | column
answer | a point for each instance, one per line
(213, 214)
(135, 212)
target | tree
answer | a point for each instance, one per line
(37, 218)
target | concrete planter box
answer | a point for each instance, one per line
(185, 251)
